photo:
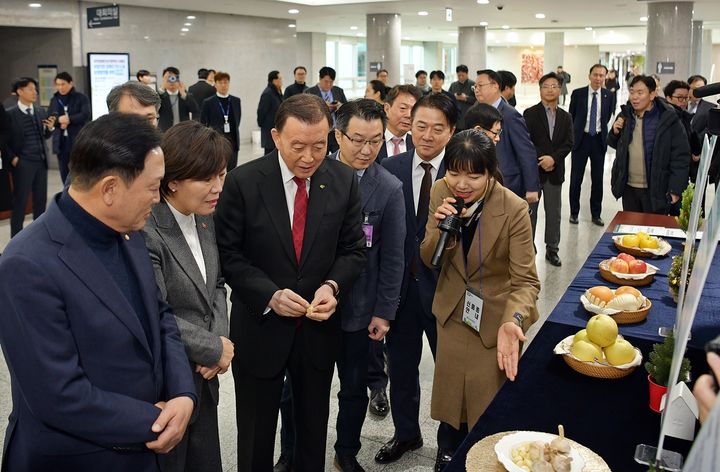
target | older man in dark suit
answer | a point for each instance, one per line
(30, 127)
(591, 108)
(333, 96)
(289, 233)
(100, 379)
(550, 129)
(371, 304)
(398, 107)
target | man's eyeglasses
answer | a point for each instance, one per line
(477, 86)
(680, 99)
(549, 87)
(495, 134)
(359, 142)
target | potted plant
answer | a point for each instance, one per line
(687, 198)
(658, 368)
(675, 273)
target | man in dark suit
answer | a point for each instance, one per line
(371, 304)
(299, 85)
(100, 378)
(551, 132)
(270, 101)
(398, 107)
(333, 96)
(591, 108)
(437, 80)
(201, 89)
(176, 103)
(30, 127)
(434, 117)
(515, 150)
(222, 112)
(289, 233)
(462, 90)
(72, 110)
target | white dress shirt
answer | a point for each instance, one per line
(390, 147)
(189, 230)
(24, 108)
(598, 126)
(418, 173)
(290, 187)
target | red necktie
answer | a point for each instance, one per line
(299, 215)
(396, 145)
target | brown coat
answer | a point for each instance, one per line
(467, 376)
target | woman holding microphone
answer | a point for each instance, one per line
(487, 290)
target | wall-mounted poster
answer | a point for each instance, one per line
(532, 67)
(106, 70)
(46, 82)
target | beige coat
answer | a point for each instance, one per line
(467, 376)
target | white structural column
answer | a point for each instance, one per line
(554, 54)
(697, 47)
(669, 38)
(310, 54)
(472, 47)
(384, 33)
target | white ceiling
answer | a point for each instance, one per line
(335, 17)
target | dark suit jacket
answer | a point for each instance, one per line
(579, 111)
(201, 90)
(558, 147)
(200, 306)
(79, 111)
(337, 93)
(186, 106)
(84, 377)
(401, 166)
(258, 258)
(270, 101)
(377, 291)
(17, 135)
(211, 115)
(383, 154)
(5, 132)
(516, 153)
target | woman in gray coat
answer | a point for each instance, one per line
(181, 240)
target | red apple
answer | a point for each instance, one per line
(620, 266)
(637, 267)
(626, 257)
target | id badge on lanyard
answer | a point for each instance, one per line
(226, 126)
(65, 107)
(473, 303)
(367, 229)
(226, 115)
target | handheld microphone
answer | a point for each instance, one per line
(449, 228)
(707, 90)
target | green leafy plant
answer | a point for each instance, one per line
(658, 365)
(687, 198)
(675, 273)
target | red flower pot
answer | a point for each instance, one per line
(656, 394)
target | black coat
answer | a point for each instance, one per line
(211, 115)
(558, 147)
(201, 90)
(186, 106)
(270, 101)
(670, 157)
(79, 111)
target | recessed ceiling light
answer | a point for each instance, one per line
(353, 28)
(539, 16)
(483, 23)
(187, 24)
(483, 2)
(643, 19)
(184, 30)
(34, 5)
(190, 17)
(423, 13)
(505, 27)
(292, 25)
(588, 28)
(293, 11)
(146, 37)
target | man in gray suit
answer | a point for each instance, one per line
(372, 302)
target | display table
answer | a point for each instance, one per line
(608, 416)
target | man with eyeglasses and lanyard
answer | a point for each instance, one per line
(677, 94)
(551, 132)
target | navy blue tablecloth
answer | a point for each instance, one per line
(570, 311)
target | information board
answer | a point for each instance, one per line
(106, 70)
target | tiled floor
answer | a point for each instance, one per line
(577, 242)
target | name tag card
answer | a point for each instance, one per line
(472, 310)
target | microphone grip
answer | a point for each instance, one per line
(440, 248)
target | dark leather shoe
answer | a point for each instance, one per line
(379, 405)
(283, 464)
(443, 458)
(553, 258)
(394, 449)
(347, 464)
(598, 221)
(574, 219)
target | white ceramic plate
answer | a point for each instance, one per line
(504, 448)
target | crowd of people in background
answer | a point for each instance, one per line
(344, 204)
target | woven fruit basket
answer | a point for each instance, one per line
(663, 249)
(636, 280)
(596, 369)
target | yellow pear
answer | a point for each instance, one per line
(630, 240)
(620, 352)
(602, 330)
(586, 351)
(649, 243)
(581, 336)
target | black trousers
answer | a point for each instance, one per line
(636, 199)
(352, 397)
(591, 147)
(199, 448)
(405, 343)
(28, 176)
(257, 401)
(377, 377)
(287, 425)
(449, 438)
